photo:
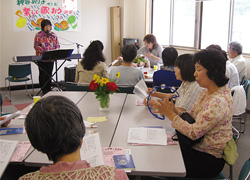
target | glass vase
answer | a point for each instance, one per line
(106, 106)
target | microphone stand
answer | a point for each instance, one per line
(77, 45)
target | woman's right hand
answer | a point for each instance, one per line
(5, 124)
(166, 108)
(152, 102)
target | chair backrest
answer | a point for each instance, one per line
(128, 89)
(246, 87)
(19, 70)
(245, 171)
(1, 103)
(72, 86)
(243, 81)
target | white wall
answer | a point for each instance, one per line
(0, 41)
(95, 24)
(133, 19)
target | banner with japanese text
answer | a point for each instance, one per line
(63, 14)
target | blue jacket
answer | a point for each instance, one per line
(165, 77)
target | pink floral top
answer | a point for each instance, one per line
(76, 170)
(213, 116)
(44, 42)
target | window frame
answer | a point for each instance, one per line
(198, 24)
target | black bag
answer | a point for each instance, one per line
(184, 140)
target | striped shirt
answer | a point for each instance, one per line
(188, 91)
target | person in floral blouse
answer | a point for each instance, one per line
(45, 40)
(212, 113)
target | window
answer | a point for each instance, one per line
(199, 23)
(241, 24)
(161, 21)
(183, 22)
(215, 23)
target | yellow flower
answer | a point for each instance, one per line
(118, 75)
(104, 81)
(96, 78)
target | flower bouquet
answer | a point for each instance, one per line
(140, 61)
(102, 87)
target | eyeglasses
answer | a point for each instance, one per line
(163, 86)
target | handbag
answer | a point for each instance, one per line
(184, 140)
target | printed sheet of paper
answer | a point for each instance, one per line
(139, 102)
(141, 89)
(6, 150)
(109, 152)
(96, 119)
(20, 152)
(10, 130)
(91, 150)
(152, 136)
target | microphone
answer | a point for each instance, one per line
(48, 33)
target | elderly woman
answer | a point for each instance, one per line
(152, 50)
(212, 113)
(189, 89)
(236, 57)
(55, 126)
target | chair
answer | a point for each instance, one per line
(19, 73)
(242, 117)
(73, 86)
(243, 81)
(246, 87)
(126, 89)
(1, 104)
(245, 171)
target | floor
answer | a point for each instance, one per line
(20, 100)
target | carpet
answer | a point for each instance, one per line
(9, 107)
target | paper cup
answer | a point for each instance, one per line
(36, 98)
(155, 67)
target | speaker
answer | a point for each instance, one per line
(69, 74)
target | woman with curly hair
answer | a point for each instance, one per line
(93, 62)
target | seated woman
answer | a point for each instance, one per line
(55, 127)
(152, 50)
(93, 62)
(126, 74)
(189, 89)
(167, 75)
(231, 70)
(212, 113)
